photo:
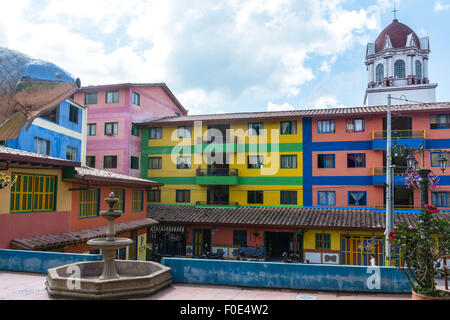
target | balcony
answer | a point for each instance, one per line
(217, 176)
(205, 204)
(379, 175)
(226, 144)
(408, 138)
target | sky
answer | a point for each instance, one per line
(221, 56)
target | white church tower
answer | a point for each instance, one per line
(397, 64)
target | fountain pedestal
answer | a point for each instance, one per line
(110, 278)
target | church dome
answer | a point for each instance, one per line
(398, 33)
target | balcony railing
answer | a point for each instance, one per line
(381, 171)
(223, 140)
(217, 172)
(400, 134)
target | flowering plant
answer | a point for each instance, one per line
(6, 180)
(420, 251)
(412, 179)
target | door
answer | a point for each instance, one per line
(198, 242)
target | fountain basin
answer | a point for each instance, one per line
(81, 280)
(104, 243)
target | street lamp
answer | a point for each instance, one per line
(442, 162)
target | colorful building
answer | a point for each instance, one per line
(55, 205)
(113, 141)
(59, 133)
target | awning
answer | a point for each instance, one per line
(168, 227)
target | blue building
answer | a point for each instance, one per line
(59, 133)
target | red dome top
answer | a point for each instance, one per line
(398, 32)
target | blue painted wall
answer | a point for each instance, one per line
(58, 142)
(307, 162)
(287, 275)
(40, 261)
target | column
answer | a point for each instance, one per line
(425, 68)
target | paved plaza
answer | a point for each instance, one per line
(30, 286)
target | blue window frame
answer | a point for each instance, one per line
(326, 126)
(240, 238)
(354, 125)
(326, 161)
(357, 198)
(399, 67)
(435, 156)
(440, 199)
(380, 72)
(356, 160)
(439, 121)
(326, 198)
(418, 69)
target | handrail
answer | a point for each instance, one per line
(399, 134)
(381, 171)
(217, 172)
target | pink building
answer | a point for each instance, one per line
(113, 142)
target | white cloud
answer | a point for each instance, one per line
(441, 7)
(199, 101)
(327, 102)
(279, 107)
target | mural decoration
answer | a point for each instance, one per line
(412, 179)
(6, 181)
(28, 88)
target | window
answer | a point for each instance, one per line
(154, 162)
(240, 238)
(71, 153)
(326, 198)
(288, 127)
(354, 125)
(325, 126)
(110, 162)
(183, 196)
(255, 129)
(326, 161)
(380, 73)
(154, 196)
(399, 68)
(135, 163)
(89, 203)
(155, 133)
(440, 199)
(90, 161)
(439, 121)
(90, 98)
(435, 156)
(255, 162)
(42, 146)
(119, 194)
(183, 162)
(288, 197)
(73, 114)
(111, 128)
(418, 69)
(323, 241)
(33, 193)
(51, 115)
(356, 160)
(288, 162)
(112, 96)
(92, 129)
(137, 200)
(134, 130)
(184, 132)
(357, 198)
(135, 98)
(255, 197)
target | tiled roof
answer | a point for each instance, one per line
(70, 238)
(15, 155)
(398, 33)
(108, 177)
(423, 107)
(361, 219)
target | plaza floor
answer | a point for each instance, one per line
(29, 286)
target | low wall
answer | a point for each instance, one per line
(288, 275)
(40, 261)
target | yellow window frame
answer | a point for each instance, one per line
(356, 249)
(89, 203)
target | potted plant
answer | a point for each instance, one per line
(419, 250)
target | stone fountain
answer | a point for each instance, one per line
(110, 278)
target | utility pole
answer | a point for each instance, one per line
(389, 181)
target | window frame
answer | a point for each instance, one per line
(438, 124)
(186, 165)
(72, 149)
(446, 155)
(154, 192)
(290, 197)
(90, 157)
(94, 204)
(356, 163)
(121, 198)
(259, 163)
(399, 65)
(417, 65)
(114, 128)
(353, 125)
(325, 156)
(184, 129)
(256, 132)
(135, 95)
(113, 100)
(239, 239)
(253, 195)
(73, 114)
(186, 196)
(47, 146)
(292, 164)
(135, 130)
(326, 196)
(112, 161)
(357, 205)
(86, 94)
(379, 67)
(434, 194)
(323, 241)
(136, 160)
(89, 129)
(322, 123)
(134, 201)
(156, 130)
(292, 127)
(150, 164)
